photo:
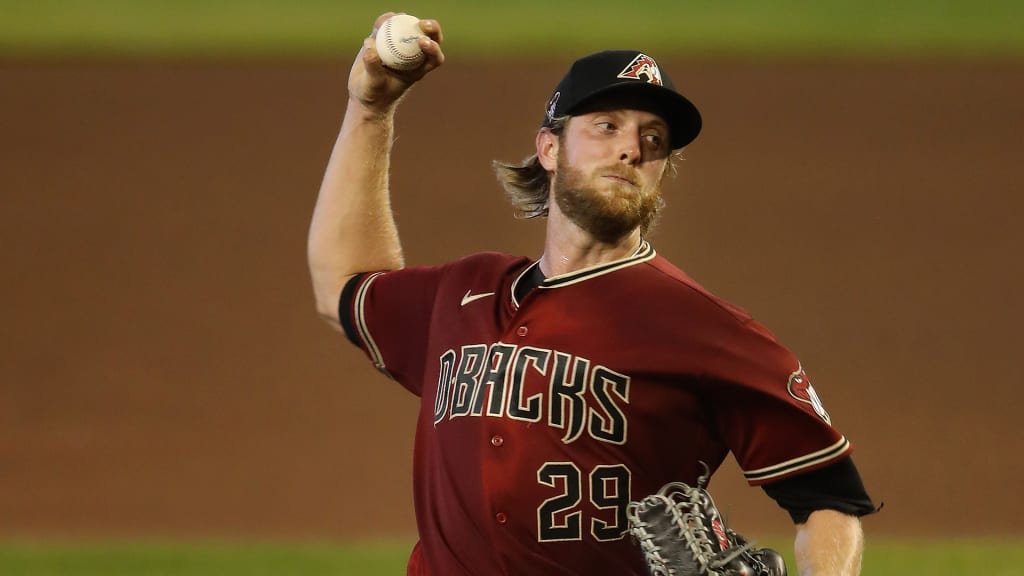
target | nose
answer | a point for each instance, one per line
(630, 148)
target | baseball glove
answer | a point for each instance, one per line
(681, 533)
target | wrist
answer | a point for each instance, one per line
(370, 111)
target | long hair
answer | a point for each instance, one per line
(527, 184)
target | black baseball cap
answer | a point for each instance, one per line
(628, 71)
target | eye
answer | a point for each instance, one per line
(654, 139)
(606, 125)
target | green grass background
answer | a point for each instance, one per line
(527, 28)
(62, 29)
(889, 558)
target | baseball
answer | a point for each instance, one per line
(398, 42)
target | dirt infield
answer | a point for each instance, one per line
(162, 372)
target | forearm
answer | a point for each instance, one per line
(353, 229)
(830, 543)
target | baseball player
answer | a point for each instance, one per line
(555, 390)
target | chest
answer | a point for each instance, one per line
(572, 360)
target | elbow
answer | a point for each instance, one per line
(327, 310)
(327, 296)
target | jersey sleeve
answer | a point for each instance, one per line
(837, 486)
(387, 315)
(766, 409)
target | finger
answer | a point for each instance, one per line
(371, 58)
(430, 43)
(432, 51)
(432, 29)
(380, 22)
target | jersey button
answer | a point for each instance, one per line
(501, 517)
(522, 331)
(497, 440)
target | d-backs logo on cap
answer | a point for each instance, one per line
(643, 67)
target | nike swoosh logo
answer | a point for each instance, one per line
(471, 298)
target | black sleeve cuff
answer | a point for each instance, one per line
(345, 309)
(837, 487)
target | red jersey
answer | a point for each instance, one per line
(541, 419)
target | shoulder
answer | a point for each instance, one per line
(671, 294)
(485, 265)
(665, 278)
(479, 263)
(486, 260)
(423, 279)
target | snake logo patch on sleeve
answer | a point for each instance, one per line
(800, 388)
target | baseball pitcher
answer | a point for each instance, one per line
(574, 405)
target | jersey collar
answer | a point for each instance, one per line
(643, 253)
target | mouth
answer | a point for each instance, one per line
(620, 178)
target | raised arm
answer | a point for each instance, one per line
(353, 229)
(830, 543)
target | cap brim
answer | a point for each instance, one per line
(684, 121)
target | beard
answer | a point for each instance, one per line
(611, 213)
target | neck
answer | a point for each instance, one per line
(569, 248)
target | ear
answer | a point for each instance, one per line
(547, 149)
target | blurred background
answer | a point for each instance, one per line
(170, 403)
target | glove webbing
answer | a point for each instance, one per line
(683, 508)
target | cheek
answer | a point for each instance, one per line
(576, 167)
(583, 152)
(655, 172)
(575, 158)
